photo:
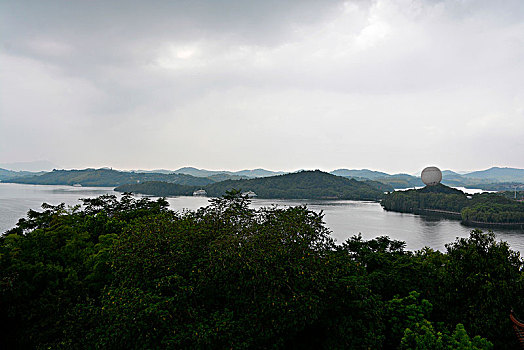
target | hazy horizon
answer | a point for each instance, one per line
(28, 166)
(386, 85)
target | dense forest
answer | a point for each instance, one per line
(494, 213)
(479, 209)
(517, 195)
(304, 184)
(130, 273)
(301, 185)
(107, 177)
(158, 189)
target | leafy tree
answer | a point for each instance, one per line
(483, 209)
(115, 272)
(423, 336)
(478, 286)
(57, 258)
(408, 324)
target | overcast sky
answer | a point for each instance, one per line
(387, 85)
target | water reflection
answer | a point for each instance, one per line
(344, 218)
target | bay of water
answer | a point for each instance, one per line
(344, 218)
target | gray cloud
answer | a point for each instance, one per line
(391, 85)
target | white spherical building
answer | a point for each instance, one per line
(431, 176)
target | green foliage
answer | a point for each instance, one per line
(406, 313)
(119, 273)
(408, 325)
(158, 188)
(423, 336)
(479, 284)
(388, 266)
(438, 198)
(494, 213)
(301, 185)
(229, 276)
(106, 177)
(515, 195)
(479, 209)
(56, 258)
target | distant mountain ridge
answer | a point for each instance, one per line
(450, 173)
(154, 171)
(36, 166)
(497, 173)
(106, 178)
(495, 178)
(244, 173)
(364, 173)
(6, 174)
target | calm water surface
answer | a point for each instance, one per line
(344, 218)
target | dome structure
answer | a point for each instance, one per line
(431, 176)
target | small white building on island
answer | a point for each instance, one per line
(200, 193)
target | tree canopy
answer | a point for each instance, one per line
(301, 185)
(121, 273)
(481, 209)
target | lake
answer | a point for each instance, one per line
(344, 218)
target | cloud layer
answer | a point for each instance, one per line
(392, 85)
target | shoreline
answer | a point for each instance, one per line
(458, 217)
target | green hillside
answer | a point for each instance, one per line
(362, 173)
(499, 174)
(158, 189)
(106, 177)
(480, 210)
(301, 185)
(239, 174)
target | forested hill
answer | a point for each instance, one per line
(479, 210)
(439, 188)
(499, 174)
(106, 177)
(302, 185)
(158, 189)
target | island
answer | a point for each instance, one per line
(300, 185)
(488, 210)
